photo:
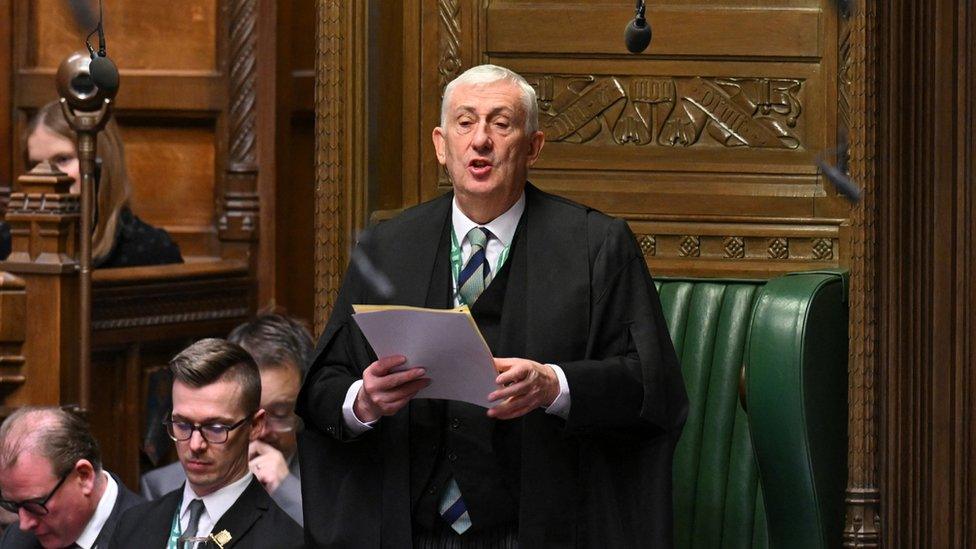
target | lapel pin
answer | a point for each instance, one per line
(221, 538)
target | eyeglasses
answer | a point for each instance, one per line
(34, 506)
(214, 433)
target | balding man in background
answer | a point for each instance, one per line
(51, 475)
(280, 345)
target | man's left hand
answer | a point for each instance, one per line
(525, 386)
(268, 464)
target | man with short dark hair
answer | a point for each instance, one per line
(216, 414)
(51, 475)
(280, 345)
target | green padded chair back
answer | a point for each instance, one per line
(718, 498)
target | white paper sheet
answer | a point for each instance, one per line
(446, 343)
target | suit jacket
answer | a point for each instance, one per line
(167, 478)
(15, 538)
(601, 478)
(254, 521)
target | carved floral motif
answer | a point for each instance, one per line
(735, 247)
(690, 246)
(779, 248)
(648, 244)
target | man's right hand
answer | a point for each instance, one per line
(383, 392)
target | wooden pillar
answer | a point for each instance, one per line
(44, 220)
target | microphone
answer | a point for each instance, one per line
(637, 35)
(103, 71)
(837, 175)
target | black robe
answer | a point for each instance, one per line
(602, 478)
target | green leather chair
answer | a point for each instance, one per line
(773, 476)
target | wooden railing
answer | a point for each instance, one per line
(141, 317)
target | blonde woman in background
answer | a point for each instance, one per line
(119, 239)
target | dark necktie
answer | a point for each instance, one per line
(196, 510)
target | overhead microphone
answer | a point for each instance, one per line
(837, 175)
(637, 35)
(103, 71)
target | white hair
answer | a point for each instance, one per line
(489, 74)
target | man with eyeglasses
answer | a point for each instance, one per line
(216, 414)
(280, 345)
(51, 476)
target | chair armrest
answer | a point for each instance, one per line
(796, 389)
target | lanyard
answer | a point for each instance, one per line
(456, 264)
(175, 530)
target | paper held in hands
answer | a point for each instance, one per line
(445, 342)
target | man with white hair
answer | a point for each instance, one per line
(577, 450)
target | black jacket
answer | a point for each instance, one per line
(254, 521)
(15, 538)
(138, 243)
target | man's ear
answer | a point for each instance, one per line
(440, 145)
(536, 141)
(258, 425)
(86, 475)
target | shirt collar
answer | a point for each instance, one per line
(104, 510)
(503, 226)
(216, 503)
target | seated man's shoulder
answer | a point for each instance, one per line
(146, 520)
(162, 480)
(272, 525)
(14, 538)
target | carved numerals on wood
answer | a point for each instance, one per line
(670, 111)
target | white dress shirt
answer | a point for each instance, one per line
(215, 504)
(502, 229)
(104, 509)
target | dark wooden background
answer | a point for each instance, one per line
(347, 92)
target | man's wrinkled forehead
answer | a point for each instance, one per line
(494, 99)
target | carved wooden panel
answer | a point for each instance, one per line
(710, 135)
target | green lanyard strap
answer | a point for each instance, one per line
(175, 530)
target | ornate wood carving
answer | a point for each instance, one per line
(450, 63)
(43, 220)
(719, 247)
(779, 248)
(670, 111)
(330, 148)
(857, 113)
(690, 246)
(735, 247)
(147, 301)
(239, 209)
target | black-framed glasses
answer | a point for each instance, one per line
(34, 506)
(214, 433)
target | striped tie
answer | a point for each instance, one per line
(476, 274)
(474, 278)
(452, 508)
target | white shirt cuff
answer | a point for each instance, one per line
(560, 406)
(353, 423)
